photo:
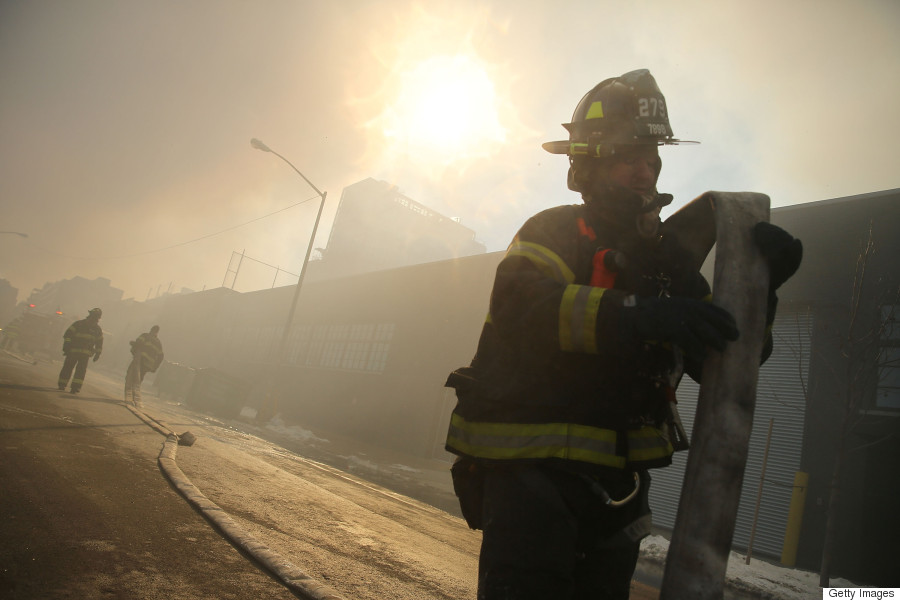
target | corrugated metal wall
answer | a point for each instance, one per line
(780, 396)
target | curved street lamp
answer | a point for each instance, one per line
(255, 143)
(19, 233)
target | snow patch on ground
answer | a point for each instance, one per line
(361, 463)
(760, 578)
(404, 468)
(277, 425)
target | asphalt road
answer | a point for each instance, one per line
(85, 511)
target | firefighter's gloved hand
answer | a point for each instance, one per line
(782, 251)
(96, 357)
(783, 254)
(692, 325)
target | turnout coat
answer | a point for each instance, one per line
(558, 375)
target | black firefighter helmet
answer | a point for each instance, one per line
(621, 111)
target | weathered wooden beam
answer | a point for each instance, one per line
(701, 541)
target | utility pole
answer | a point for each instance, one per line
(312, 237)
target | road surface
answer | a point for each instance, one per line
(87, 513)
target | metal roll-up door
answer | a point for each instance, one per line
(780, 396)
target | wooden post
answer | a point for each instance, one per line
(704, 527)
(759, 492)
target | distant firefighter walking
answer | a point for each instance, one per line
(148, 355)
(81, 340)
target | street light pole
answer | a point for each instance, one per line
(287, 326)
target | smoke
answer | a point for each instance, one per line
(125, 127)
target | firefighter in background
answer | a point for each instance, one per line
(593, 320)
(147, 355)
(81, 340)
(11, 334)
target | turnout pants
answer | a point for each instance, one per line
(133, 379)
(548, 533)
(79, 363)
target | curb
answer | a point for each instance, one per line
(289, 575)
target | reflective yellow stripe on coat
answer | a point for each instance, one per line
(508, 441)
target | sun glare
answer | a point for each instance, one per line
(446, 107)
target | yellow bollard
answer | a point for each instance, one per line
(795, 519)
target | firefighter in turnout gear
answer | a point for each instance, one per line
(593, 320)
(81, 340)
(147, 355)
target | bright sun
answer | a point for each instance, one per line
(445, 106)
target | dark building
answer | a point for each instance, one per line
(851, 283)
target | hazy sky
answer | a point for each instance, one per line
(125, 124)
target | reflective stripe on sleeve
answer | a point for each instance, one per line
(578, 318)
(547, 261)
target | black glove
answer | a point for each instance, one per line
(96, 357)
(690, 324)
(782, 252)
